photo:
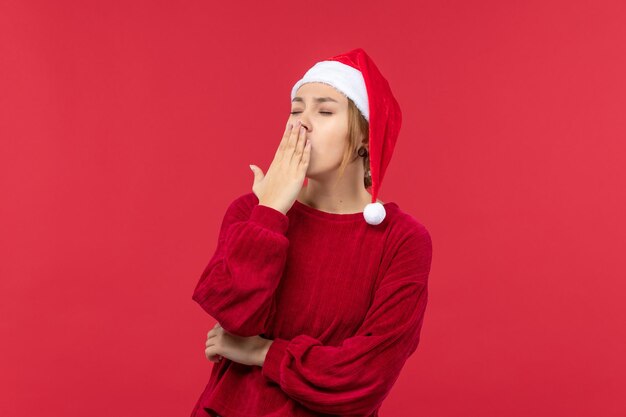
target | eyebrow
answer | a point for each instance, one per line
(316, 99)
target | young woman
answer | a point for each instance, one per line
(317, 310)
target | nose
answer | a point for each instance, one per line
(304, 123)
(304, 120)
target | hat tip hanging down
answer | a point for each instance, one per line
(374, 213)
(356, 75)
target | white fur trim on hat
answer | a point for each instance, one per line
(348, 80)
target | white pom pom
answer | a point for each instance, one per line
(374, 213)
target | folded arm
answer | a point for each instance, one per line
(238, 284)
(356, 376)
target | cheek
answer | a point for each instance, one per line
(326, 153)
(329, 144)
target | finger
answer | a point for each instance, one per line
(298, 143)
(214, 330)
(293, 136)
(208, 353)
(286, 134)
(284, 142)
(288, 127)
(306, 154)
(212, 355)
(216, 358)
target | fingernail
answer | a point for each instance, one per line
(251, 169)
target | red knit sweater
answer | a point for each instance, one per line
(343, 301)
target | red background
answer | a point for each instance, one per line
(126, 128)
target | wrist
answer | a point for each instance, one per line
(272, 205)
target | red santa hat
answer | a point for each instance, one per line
(355, 75)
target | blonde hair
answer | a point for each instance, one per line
(357, 127)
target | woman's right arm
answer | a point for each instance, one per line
(238, 284)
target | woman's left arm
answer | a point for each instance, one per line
(355, 377)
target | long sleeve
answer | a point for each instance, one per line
(238, 284)
(355, 377)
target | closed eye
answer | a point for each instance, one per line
(322, 112)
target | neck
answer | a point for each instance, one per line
(348, 195)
